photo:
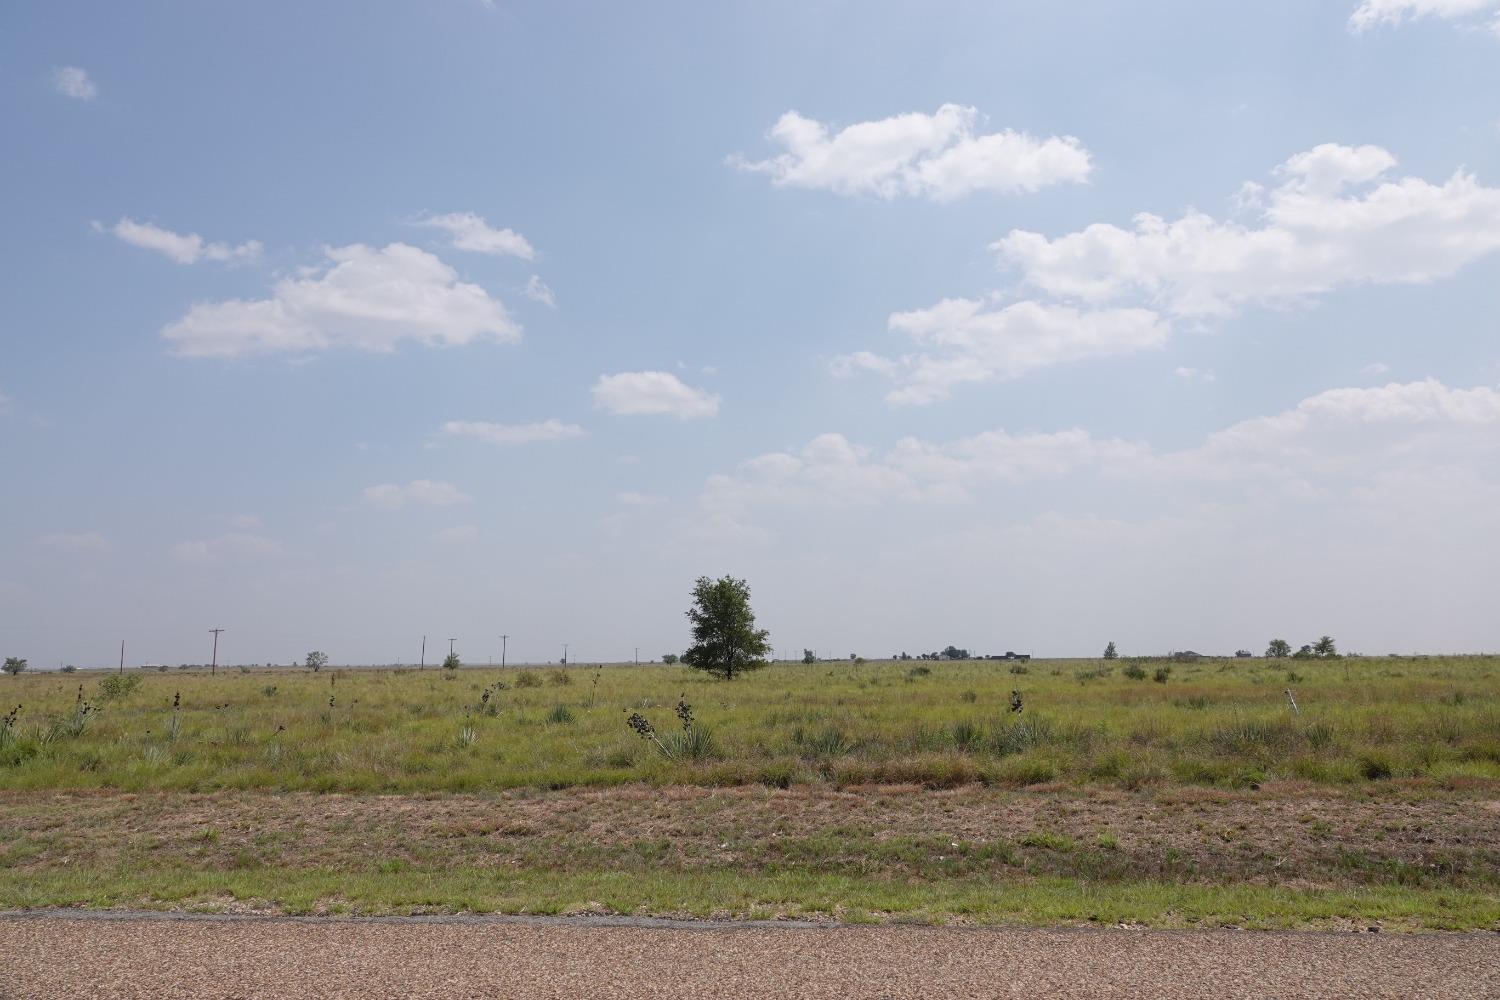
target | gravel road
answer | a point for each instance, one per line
(161, 957)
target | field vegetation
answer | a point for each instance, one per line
(1122, 791)
(1132, 724)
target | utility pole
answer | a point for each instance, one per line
(424, 654)
(503, 640)
(637, 656)
(122, 656)
(214, 669)
(450, 646)
(565, 653)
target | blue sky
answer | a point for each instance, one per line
(1014, 325)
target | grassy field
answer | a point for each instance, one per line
(1221, 723)
(875, 791)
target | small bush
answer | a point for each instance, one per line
(1376, 767)
(1135, 671)
(559, 678)
(1161, 675)
(70, 669)
(779, 774)
(1019, 668)
(560, 715)
(528, 679)
(118, 686)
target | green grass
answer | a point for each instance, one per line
(1216, 722)
(785, 895)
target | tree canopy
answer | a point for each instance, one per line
(725, 639)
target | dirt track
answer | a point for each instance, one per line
(105, 955)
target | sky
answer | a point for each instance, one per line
(1012, 325)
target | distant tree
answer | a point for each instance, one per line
(1304, 652)
(1325, 647)
(1110, 653)
(14, 665)
(1243, 654)
(669, 657)
(954, 653)
(1279, 649)
(316, 660)
(808, 656)
(452, 662)
(725, 639)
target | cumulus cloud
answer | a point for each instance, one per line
(653, 393)
(71, 81)
(418, 492)
(457, 534)
(1334, 218)
(233, 546)
(85, 541)
(491, 433)
(1375, 13)
(365, 298)
(537, 291)
(184, 249)
(1193, 374)
(468, 231)
(1338, 440)
(833, 471)
(964, 340)
(938, 156)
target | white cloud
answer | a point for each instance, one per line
(960, 340)
(187, 249)
(457, 534)
(74, 82)
(86, 541)
(1199, 374)
(418, 492)
(470, 232)
(1340, 440)
(633, 499)
(365, 298)
(647, 393)
(234, 545)
(1374, 13)
(1335, 218)
(937, 156)
(479, 430)
(537, 291)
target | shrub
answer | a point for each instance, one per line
(451, 662)
(560, 715)
(528, 679)
(118, 686)
(1161, 675)
(70, 669)
(559, 678)
(1019, 668)
(1376, 767)
(1135, 671)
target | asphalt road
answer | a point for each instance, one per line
(163, 957)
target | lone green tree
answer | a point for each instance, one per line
(317, 660)
(14, 665)
(725, 639)
(808, 656)
(1325, 647)
(452, 662)
(1279, 649)
(669, 658)
(1110, 653)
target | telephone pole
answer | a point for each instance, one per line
(503, 640)
(450, 646)
(122, 656)
(214, 669)
(565, 653)
(423, 665)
